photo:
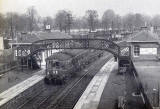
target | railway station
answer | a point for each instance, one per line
(100, 60)
(119, 81)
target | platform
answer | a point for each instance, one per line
(114, 88)
(13, 77)
(92, 95)
(17, 95)
(121, 86)
(107, 86)
(149, 74)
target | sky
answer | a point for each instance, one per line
(78, 7)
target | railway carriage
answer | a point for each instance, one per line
(65, 64)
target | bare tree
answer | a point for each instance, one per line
(118, 22)
(69, 21)
(2, 23)
(80, 23)
(92, 18)
(31, 14)
(60, 19)
(128, 21)
(134, 21)
(48, 21)
(108, 19)
(156, 20)
(21, 23)
(15, 23)
(12, 22)
(64, 20)
(147, 20)
(139, 20)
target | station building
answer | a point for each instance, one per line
(145, 45)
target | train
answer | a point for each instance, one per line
(65, 64)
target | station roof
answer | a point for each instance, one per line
(144, 36)
(30, 38)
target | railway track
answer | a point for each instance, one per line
(68, 99)
(65, 96)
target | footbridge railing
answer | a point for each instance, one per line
(99, 44)
(122, 53)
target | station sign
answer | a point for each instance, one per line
(48, 27)
(148, 51)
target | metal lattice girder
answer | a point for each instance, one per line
(125, 51)
(99, 44)
(23, 50)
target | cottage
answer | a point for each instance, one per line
(145, 46)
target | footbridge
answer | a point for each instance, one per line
(119, 52)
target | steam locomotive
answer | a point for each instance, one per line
(66, 63)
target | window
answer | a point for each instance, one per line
(136, 50)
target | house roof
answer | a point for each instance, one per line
(144, 36)
(30, 38)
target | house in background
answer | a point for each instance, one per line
(145, 45)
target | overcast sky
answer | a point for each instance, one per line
(78, 7)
